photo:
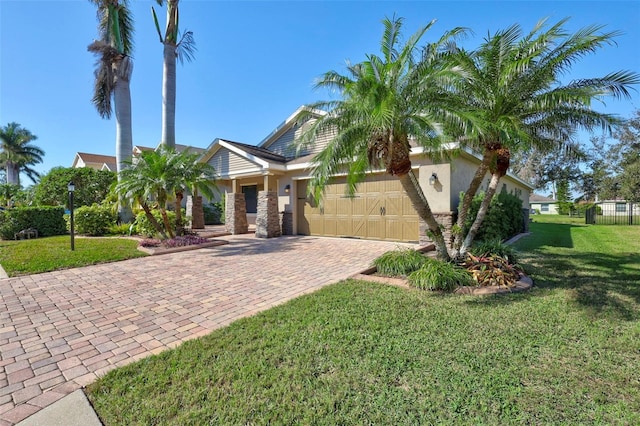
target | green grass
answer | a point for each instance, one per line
(567, 352)
(52, 253)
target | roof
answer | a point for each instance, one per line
(536, 198)
(103, 161)
(259, 152)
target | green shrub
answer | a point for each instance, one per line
(213, 214)
(437, 275)
(121, 229)
(144, 227)
(94, 220)
(503, 220)
(399, 262)
(47, 220)
(494, 248)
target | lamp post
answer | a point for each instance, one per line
(71, 187)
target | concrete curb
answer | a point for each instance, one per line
(72, 410)
(3, 273)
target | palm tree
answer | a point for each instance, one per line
(149, 181)
(173, 49)
(516, 101)
(387, 102)
(113, 75)
(18, 154)
(193, 177)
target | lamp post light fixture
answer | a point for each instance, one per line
(71, 187)
(433, 179)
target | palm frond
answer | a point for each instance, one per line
(186, 48)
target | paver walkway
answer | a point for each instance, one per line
(59, 331)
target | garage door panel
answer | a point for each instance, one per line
(379, 210)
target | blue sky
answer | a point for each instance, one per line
(256, 61)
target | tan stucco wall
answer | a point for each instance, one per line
(437, 194)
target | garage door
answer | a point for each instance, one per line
(380, 210)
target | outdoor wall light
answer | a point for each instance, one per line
(287, 188)
(433, 179)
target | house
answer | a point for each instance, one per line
(108, 162)
(543, 205)
(267, 185)
(94, 161)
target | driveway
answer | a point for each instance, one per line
(61, 330)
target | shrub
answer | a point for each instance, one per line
(399, 262)
(95, 220)
(47, 220)
(437, 275)
(144, 227)
(494, 248)
(503, 220)
(213, 214)
(122, 229)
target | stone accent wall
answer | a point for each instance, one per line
(446, 219)
(287, 223)
(195, 211)
(235, 214)
(267, 217)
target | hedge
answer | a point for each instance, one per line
(47, 221)
(503, 220)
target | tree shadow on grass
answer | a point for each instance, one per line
(604, 285)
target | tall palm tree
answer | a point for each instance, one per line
(173, 49)
(516, 100)
(17, 153)
(113, 75)
(386, 102)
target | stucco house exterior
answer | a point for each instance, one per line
(267, 185)
(543, 205)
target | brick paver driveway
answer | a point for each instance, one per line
(61, 330)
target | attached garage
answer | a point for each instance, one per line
(380, 210)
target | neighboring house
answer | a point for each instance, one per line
(94, 161)
(618, 208)
(108, 162)
(267, 185)
(543, 205)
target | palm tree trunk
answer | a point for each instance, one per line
(169, 96)
(124, 133)
(152, 219)
(467, 199)
(412, 187)
(13, 173)
(482, 213)
(179, 225)
(167, 224)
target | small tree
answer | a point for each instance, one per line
(92, 186)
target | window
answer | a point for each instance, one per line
(621, 208)
(544, 207)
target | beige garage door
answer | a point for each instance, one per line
(380, 210)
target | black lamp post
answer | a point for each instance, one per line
(71, 187)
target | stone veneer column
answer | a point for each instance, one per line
(267, 217)
(446, 219)
(236, 214)
(287, 223)
(195, 211)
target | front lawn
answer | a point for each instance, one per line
(567, 352)
(51, 253)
